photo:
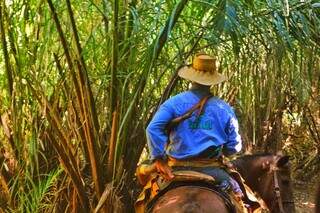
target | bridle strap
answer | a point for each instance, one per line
(277, 191)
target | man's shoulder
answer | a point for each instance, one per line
(219, 101)
(181, 101)
(181, 97)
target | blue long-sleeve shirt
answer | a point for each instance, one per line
(216, 126)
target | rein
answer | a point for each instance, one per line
(277, 191)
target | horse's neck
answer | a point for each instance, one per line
(250, 169)
(244, 167)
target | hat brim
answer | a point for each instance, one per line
(204, 78)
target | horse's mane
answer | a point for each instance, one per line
(243, 160)
(249, 157)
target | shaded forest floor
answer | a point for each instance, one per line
(304, 194)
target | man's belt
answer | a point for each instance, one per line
(195, 162)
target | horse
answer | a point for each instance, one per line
(266, 174)
(269, 176)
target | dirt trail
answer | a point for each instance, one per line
(304, 195)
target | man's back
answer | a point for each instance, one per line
(217, 125)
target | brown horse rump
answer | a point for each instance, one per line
(196, 184)
(157, 187)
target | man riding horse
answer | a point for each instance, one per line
(195, 126)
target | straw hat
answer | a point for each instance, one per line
(203, 71)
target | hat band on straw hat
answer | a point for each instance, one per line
(204, 65)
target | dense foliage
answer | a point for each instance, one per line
(79, 81)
